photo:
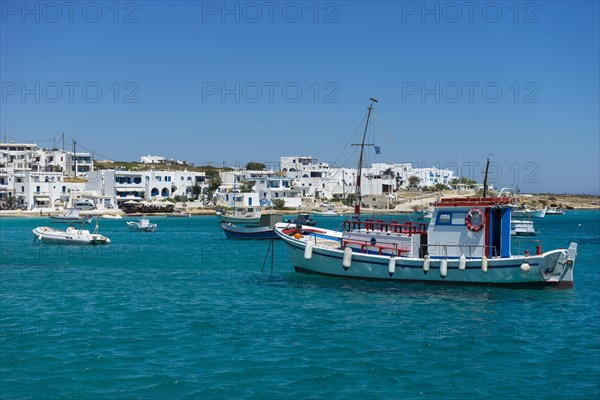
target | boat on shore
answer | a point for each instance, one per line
(71, 216)
(142, 225)
(71, 235)
(468, 241)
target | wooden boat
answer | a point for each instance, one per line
(240, 216)
(467, 242)
(264, 230)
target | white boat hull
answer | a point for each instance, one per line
(326, 214)
(250, 220)
(135, 226)
(550, 268)
(70, 236)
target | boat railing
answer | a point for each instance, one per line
(528, 242)
(471, 253)
(409, 228)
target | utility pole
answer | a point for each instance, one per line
(74, 159)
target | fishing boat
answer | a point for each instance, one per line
(71, 235)
(468, 242)
(142, 225)
(240, 216)
(554, 211)
(522, 228)
(264, 230)
(70, 217)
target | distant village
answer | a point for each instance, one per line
(33, 178)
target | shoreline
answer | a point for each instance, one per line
(567, 202)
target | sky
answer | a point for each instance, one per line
(215, 83)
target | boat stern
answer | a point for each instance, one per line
(557, 266)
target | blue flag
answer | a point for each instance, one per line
(377, 150)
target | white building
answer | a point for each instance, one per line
(44, 190)
(153, 159)
(144, 185)
(270, 189)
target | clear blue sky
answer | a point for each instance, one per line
(170, 72)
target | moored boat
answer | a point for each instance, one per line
(71, 235)
(554, 211)
(111, 216)
(142, 225)
(240, 216)
(522, 228)
(328, 211)
(526, 212)
(264, 230)
(71, 216)
(468, 241)
(179, 214)
(302, 219)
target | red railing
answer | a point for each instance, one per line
(408, 228)
(367, 246)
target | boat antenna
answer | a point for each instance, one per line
(357, 201)
(485, 178)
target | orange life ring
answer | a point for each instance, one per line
(475, 220)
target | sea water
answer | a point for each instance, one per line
(186, 313)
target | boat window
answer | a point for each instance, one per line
(458, 219)
(444, 218)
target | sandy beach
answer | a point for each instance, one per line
(404, 205)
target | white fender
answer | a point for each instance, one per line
(392, 266)
(525, 267)
(462, 262)
(484, 262)
(308, 250)
(426, 261)
(347, 259)
(444, 268)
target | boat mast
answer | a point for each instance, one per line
(485, 178)
(357, 201)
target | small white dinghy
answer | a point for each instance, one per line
(71, 235)
(143, 225)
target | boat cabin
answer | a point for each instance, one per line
(471, 226)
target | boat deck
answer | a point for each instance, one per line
(332, 244)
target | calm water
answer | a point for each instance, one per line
(186, 313)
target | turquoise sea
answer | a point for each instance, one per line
(184, 313)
